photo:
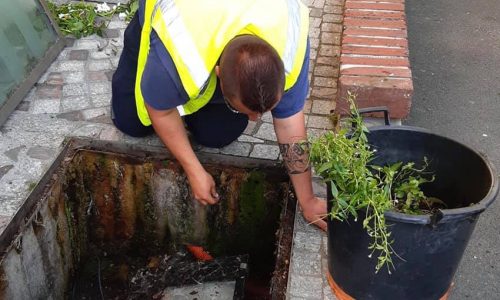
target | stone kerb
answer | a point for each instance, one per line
(374, 61)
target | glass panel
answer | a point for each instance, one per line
(25, 35)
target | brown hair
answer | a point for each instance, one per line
(252, 71)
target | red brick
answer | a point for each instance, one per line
(374, 5)
(351, 30)
(361, 22)
(373, 91)
(381, 51)
(375, 61)
(377, 71)
(391, 42)
(374, 14)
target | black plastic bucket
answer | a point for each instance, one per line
(431, 245)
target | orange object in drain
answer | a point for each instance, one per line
(199, 253)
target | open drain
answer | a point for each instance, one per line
(113, 221)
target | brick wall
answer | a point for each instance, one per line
(374, 56)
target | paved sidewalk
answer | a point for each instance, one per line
(72, 99)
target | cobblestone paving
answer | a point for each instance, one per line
(72, 99)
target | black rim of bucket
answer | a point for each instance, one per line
(444, 214)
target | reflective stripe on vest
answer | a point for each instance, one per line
(195, 39)
(183, 42)
(293, 30)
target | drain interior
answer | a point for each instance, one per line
(114, 221)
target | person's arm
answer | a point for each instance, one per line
(170, 128)
(291, 132)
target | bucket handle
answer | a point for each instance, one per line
(377, 109)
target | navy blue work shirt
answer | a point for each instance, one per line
(162, 88)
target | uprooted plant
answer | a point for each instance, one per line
(81, 19)
(343, 159)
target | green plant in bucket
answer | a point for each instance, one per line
(343, 159)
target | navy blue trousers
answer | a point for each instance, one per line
(214, 125)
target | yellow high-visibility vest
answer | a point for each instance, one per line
(195, 32)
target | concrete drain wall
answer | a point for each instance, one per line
(107, 216)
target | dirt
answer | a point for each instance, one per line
(284, 247)
(106, 278)
(118, 254)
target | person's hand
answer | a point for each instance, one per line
(315, 212)
(203, 187)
